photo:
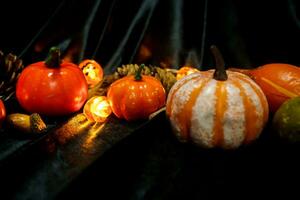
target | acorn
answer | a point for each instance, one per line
(26, 123)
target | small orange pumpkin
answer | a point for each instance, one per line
(136, 97)
(52, 87)
(279, 82)
(217, 109)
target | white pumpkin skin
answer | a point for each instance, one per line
(213, 113)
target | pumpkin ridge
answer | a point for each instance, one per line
(250, 116)
(40, 99)
(40, 90)
(252, 91)
(186, 116)
(175, 90)
(260, 94)
(143, 102)
(123, 106)
(114, 88)
(77, 77)
(203, 115)
(178, 104)
(221, 106)
(159, 101)
(234, 119)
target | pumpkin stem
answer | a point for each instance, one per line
(220, 72)
(53, 58)
(138, 74)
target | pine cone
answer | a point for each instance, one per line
(10, 69)
(167, 78)
(131, 69)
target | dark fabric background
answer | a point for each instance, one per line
(249, 33)
(152, 164)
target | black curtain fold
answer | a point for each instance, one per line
(168, 33)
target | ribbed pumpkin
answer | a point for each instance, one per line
(217, 109)
(136, 97)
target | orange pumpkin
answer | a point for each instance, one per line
(52, 87)
(184, 71)
(136, 97)
(279, 82)
(216, 108)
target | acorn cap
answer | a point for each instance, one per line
(37, 125)
(27, 123)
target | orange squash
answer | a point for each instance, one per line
(136, 97)
(279, 82)
(216, 108)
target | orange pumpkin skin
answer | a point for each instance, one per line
(213, 113)
(279, 82)
(132, 99)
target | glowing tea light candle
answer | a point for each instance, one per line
(184, 71)
(97, 109)
(92, 71)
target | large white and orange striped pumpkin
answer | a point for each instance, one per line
(217, 108)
